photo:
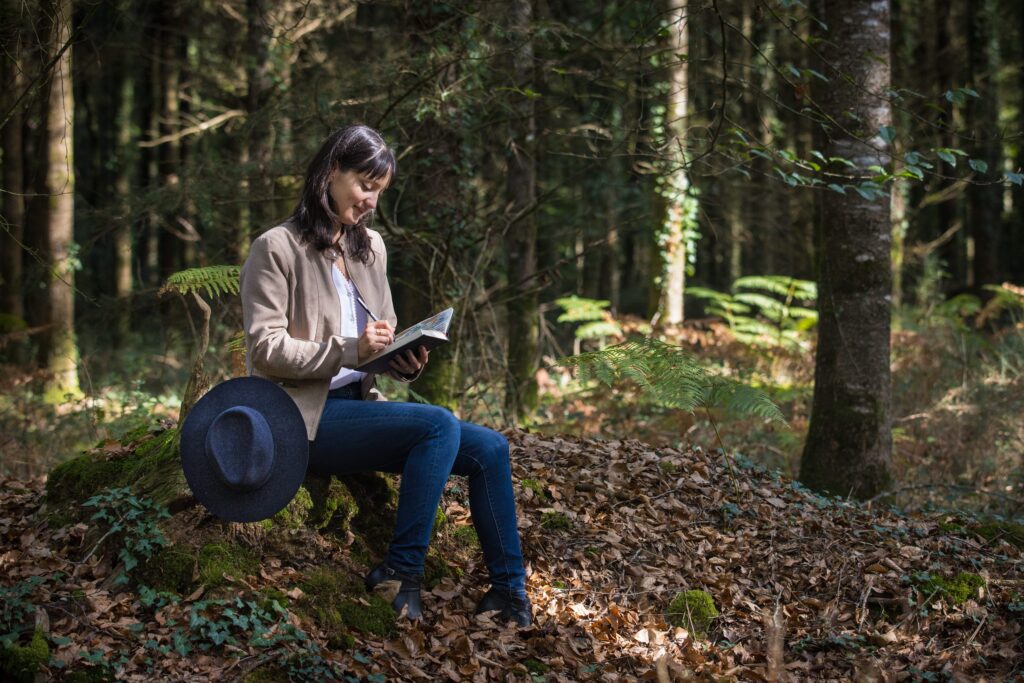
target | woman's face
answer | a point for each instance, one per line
(354, 194)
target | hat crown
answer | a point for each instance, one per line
(240, 445)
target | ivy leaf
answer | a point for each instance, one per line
(947, 156)
(837, 188)
(978, 165)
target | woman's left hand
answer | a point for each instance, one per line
(408, 363)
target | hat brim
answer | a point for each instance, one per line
(291, 450)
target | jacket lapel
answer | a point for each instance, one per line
(363, 281)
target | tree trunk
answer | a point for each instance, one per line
(984, 202)
(58, 349)
(12, 83)
(521, 237)
(122, 242)
(849, 443)
(260, 139)
(678, 213)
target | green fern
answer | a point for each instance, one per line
(577, 309)
(212, 280)
(671, 376)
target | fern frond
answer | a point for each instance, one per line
(670, 376)
(782, 285)
(579, 309)
(212, 280)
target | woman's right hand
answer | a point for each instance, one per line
(376, 336)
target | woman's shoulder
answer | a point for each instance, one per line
(286, 232)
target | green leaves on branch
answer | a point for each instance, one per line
(212, 280)
(670, 376)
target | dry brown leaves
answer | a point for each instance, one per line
(808, 589)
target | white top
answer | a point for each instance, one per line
(353, 322)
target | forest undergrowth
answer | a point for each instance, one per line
(958, 393)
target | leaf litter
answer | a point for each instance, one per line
(807, 587)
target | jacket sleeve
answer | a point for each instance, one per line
(265, 288)
(390, 315)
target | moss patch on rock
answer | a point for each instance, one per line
(218, 559)
(339, 604)
(20, 663)
(295, 514)
(152, 470)
(377, 497)
(171, 568)
(955, 591)
(693, 610)
(333, 504)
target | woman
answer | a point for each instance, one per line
(316, 303)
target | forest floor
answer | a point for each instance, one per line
(805, 587)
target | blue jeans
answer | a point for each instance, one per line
(425, 444)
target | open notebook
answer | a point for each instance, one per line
(430, 333)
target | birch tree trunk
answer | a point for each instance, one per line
(849, 443)
(677, 183)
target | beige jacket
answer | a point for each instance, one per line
(291, 314)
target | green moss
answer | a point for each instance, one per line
(435, 568)
(535, 666)
(338, 603)
(956, 590)
(267, 674)
(693, 610)
(333, 503)
(559, 584)
(950, 528)
(667, 466)
(296, 512)
(218, 559)
(535, 486)
(169, 569)
(377, 617)
(81, 478)
(377, 498)
(267, 596)
(556, 521)
(92, 674)
(1010, 532)
(466, 536)
(21, 663)
(152, 471)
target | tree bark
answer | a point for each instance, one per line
(521, 237)
(984, 202)
(58, 348)
(849, 443)
(677, 210)
(12, 231)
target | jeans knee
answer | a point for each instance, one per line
(496, 451)
(446, 425)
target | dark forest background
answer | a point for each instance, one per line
(572, 174)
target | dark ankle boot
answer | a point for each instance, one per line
(509, 606)
(408, 592)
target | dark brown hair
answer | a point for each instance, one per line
(356, 147)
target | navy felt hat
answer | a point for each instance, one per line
(244, 449)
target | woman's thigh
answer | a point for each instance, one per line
(357, 436)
